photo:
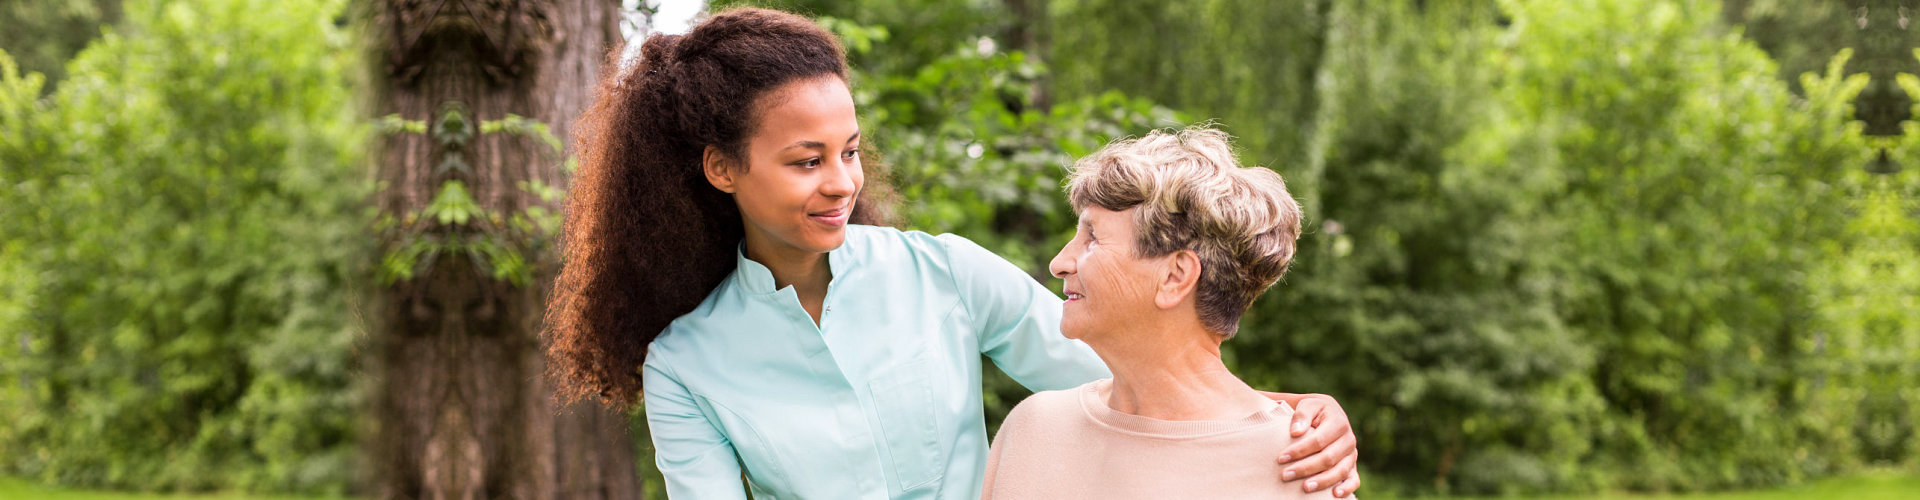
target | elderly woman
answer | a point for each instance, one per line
(1175, 241)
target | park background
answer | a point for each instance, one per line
(1553, 247)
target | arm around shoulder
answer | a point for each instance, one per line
(1017, 320)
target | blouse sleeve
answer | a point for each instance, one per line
(695, 457)
(1018, 321)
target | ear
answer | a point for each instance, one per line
(1180, 279)
(719, 169)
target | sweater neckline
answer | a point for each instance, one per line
(1278, 413)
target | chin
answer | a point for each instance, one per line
(1071, 330)
(824, 243)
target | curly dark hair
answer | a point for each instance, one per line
(646, 236)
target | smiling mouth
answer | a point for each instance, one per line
(1071, 296)
(836, 217)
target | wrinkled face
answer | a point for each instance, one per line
(1106, 285)
(803, 167)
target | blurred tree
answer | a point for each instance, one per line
(1803, 35)
(1420, 296)
(1862, 356)
(43, 35)
(1249, 64)
(1877, 283)
(1870, 361)
(476, 95)
(1697, 195)
(179, 235)
(1883, 48)
(922, 30)
(1800, 35)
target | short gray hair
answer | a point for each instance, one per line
(1193, 195)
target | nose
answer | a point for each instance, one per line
(843, 181)
(1062, 264)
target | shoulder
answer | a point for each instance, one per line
(657, 368)
(717, 313)
(896, 250)
(961, 249)
(1047, 420)
(871, 242)
(1051, 407)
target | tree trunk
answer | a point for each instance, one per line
(463, 408)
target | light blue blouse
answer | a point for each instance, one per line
(881, 400)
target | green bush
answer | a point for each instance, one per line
(1574, 251)
(1700, 197)
(179, 230)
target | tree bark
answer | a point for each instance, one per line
(462, 407)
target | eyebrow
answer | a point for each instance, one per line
(818, 144)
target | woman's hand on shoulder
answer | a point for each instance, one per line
(1324, 452)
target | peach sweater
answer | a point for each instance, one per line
(1069, 444)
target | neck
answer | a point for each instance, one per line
(805, 271)
(1176, 375)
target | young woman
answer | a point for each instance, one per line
(718, 268)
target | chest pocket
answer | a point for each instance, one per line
(903, 397)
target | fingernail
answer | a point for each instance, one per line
(1299, 426)
(1288, 475)
(1311, 485)
(1286, 457)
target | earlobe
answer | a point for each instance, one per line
(1182, 279)
(715, 165)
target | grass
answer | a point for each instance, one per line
(12, 488)
(1865, 486)
(1869, 486)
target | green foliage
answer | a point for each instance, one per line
(1420, 298)
(1589, 264)
(1803, 35)
(179, 233)
(1249, 64)
(1799, 35)
(971, 154)
(44, 34)
(1869, 291)
(1875, 284)
(922, 31)
(1573, 252)
(1699, 196)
